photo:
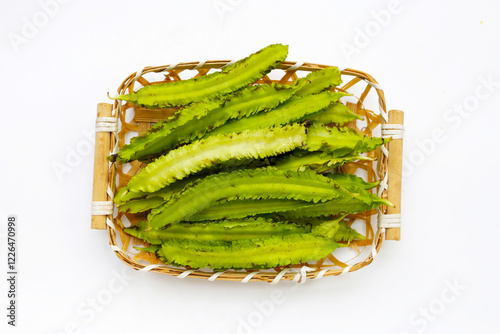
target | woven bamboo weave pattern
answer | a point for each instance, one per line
(134, 120)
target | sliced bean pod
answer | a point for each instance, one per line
(194, 121)
(268, 183)
(293, 110)
(189, 159)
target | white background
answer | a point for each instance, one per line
(432, 59)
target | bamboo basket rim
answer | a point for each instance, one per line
(290, 67)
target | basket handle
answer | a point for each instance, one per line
(101, 168)
(394, 180)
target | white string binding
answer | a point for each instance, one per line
(296, 66)
(200, 64)
(383, 185)
(279, 276)
(389, 220)
(119, 250)
(185, 273)
(101, 208)
(382, 111)
(301, 276)
(249, 277)
(321, 274)
(374, 85)
(172, 66)
(217, 274)
(138, 75)
(106, 124)
(395, 131)
(230, 63)
(384, 150)
(345, 271)
(303, 273)
(374, 251)
(109, 222)
(110, 192)
(150, 267)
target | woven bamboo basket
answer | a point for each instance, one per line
(119, 121)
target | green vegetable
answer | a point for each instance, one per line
(335, 113)
(341, 205)
(248, 207)
(194, 157)
(124, 196)
(230, 79)
(246, 228)
(242, 175)
(318, 81)
(319, 161)
(268, 183)
(346, 233)
(260, 253)
(141, 205)
(194, 121)
(223, 230)
(351, 182)
(245, 243)
(340, 142)
(354, 198)
(293, 110)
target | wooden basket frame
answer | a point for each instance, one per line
(388, 171)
